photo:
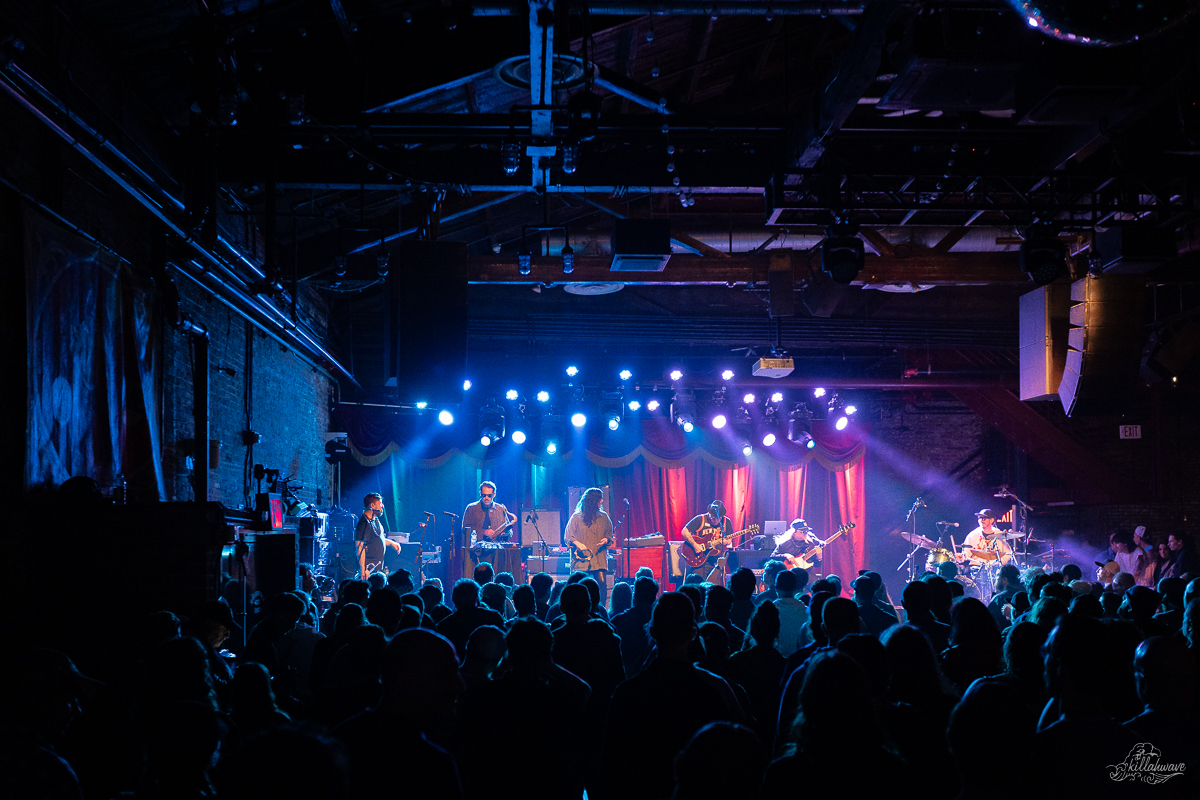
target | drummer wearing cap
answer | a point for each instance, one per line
(802, 538)
(987, 537)
(711, 570)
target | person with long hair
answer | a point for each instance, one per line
(589, 534)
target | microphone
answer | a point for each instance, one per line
(951, 524)
(448, 514)
(428, 513)
(626, 501)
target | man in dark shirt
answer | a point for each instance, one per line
(486, 518)
(653, 715)
(588, 647)
(917, 600)
(875, 618)
(369, 537)
(742, 583)
(631, 626)
(703, 528)
(802, 539)
(1008, 583)
(467, 615)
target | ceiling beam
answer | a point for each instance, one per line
(685, 241)
(953, 269)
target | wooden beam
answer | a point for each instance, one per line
(874, 238)
(957, 269)
(682, 239)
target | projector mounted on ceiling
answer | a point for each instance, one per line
(773, 367)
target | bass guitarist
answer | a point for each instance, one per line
(589, 534)
(711, 524)
(791, 550)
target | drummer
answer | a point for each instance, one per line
(987, 537)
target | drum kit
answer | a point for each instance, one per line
(976, 569)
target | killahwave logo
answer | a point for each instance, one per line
(1144, 764)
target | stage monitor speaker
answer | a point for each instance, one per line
(1044, 322)
(637, 557)
(1104, 343)
(425, 339)
(549, 522)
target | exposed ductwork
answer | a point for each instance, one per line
(757, 8)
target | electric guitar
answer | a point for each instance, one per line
(805, 559)
(710, 541)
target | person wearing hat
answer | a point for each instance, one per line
(801, 537)
(988, 537)
(703, 528)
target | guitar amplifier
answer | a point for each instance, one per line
(637, 557)
(556, 564)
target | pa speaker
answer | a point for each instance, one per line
(1104, 343)
(425, 344)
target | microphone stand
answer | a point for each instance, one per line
(1024, 510)
(532, 518)
(621, 522)
(421, 548)
(911, 559)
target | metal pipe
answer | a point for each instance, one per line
(231, 287)
(758, 8)
(200, 416)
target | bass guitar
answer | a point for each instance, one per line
(805, 559)
(709, 542)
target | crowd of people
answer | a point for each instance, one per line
(1058, 687)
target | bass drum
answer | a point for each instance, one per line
(970, 587)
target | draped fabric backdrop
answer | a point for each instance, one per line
(667, 476)
(94, 381)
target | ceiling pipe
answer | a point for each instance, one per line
(757, 8)
(212, 267)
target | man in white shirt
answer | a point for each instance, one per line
(987, 537)
(794, 631)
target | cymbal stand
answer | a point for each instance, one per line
(911, 560)
(1023, 510)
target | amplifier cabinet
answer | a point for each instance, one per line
(634, 558)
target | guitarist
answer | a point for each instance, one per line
(369, 537)
(709, 525)
(486, 518)
(794, 546)
(589, 534)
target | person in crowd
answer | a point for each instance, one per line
(431, 593)
(759, 670)
(793, 614)
(1171, 591)
(736, 747)
(621, 599)
(1165, 674)
(917, 600)
(975, 644)
(874, 618)
(588, 647)
(384, 609)
(716, 653)
(1008, 583)
(742, 583)
(254, 708)
(420, 684)
(631, 626)
(1184, 563)
(350, 617)
(493, 596)
(265, 766)
(401, 581)
(415, 601)
(485, 651)
(1139, 606)
(1127, 557)
(663, 707)
(718, 605)
(991, 711)
(543, 585)
(525, 602)
(770, 569)
(468, 616)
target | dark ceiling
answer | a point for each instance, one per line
(942, 129)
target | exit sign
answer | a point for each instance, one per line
(1131, 431)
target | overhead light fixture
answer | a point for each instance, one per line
(777, 397)
(688, 426)
(613, 420)
(747, 448)
(851, 410)
(1043, 254)
(524, 259)
(568, 259)
(625, 374)
(611, 407)
(572, 371)
(570, 158)
(579, 419)
(543, 397)
(748, 398)
(841, 423)
(842, 253)
(719, 421)
(676, 374)
(510, 157)
(466, 385)
(518, 436)
(551, 447)
(652, 405)
(491, 421)
(634, 405)
(422, 404)
(683, 410)
(768, 439)
(445, 417)
(819, 392)
(511, 394)
(727, 375)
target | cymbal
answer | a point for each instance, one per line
(918, 540)
(1010, 535)
(1049, 554)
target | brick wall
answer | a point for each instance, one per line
(290, 406)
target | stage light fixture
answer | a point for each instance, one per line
(819, 392)
(841, 423)
(747, 448)
(485, 440)
(727, 375)
(676, 374)
(777, 397)
(851, 410)
(768, 439)
(570, 158)
(510, 157)
(551, 448)
(625, 374)
(511, 394)
(810, 443)
(445, 417)
(634, 405)
(466, 385)
(688, 427)
(613, 420)
(572, 371)
(1043, 254)
(568, 259)
(422, 404)
(579, 419)
(543, 397)
(518, 436)
(524, 260)
(719, 421)
(748, 398)
(842, 254)
(491, 421)
(652, 405)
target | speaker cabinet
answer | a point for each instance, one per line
(549, 522)
(1104, 343)
(1044, 322)
(272, 562)
(637, 557)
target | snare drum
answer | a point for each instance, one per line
(939, 555)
